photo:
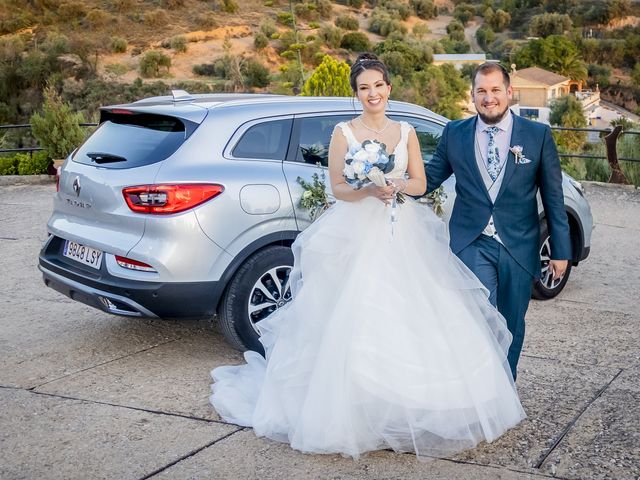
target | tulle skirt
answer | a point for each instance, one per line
(390, 342)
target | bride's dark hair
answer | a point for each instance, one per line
(367, 61)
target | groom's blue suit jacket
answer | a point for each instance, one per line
(515, 211)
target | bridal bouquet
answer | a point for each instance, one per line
(368, 163)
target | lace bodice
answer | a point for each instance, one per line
(401, 152)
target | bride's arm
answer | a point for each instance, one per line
(339, 187)
(416, 185)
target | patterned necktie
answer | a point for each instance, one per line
(493, 157)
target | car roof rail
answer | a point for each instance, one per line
(182, 96)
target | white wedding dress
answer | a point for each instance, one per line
(389, 343)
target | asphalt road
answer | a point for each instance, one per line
(86, 395)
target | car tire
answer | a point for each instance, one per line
(545, 287)
(257, 289)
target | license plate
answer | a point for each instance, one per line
(83, 254)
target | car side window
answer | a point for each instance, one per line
(428, 133)
(266, 140)
(314, 138)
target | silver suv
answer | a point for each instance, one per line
(184, 206)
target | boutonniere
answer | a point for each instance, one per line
(519, 156)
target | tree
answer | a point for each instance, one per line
(547, 24)
(329, 79)
(499, 20)
(567, 111)
(556, 53)
(57, 129)
(464, 12)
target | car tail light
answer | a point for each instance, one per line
(166, 199)
(131, 264)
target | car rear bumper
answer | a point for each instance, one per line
(126, 297)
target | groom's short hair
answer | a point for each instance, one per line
(489, 67)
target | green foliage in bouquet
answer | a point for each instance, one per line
(57, 129)
(436, 200)
(314, 198)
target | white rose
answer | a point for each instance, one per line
(360, 156)
(358, 167)
(349, 172)
(372, 148)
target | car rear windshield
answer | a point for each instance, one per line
(129, 139)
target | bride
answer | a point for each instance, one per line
(390, 341)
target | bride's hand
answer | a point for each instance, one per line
(385, 194)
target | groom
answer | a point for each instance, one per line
(501, 161)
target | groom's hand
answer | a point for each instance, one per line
(558, 268)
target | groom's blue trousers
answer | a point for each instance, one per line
(508, 283)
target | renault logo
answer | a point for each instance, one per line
(76, 186)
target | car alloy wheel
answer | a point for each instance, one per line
(271, 292)
(546, 287)
(258, 288)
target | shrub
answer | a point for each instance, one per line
(70, 11)
(152, 62)
(34, 164)
(268, 28)
(464, 12)
(203, 69)
(285, 18)
(57, 129)
(97, 18)
(325, 8)
(348, 22)
(118, 45)
(230, 6)
(179, 43)
(260, 41)
(156, 18)
(207, 20)
(421, 29)
(255, 73)
(330, 35)
(9, 165)
(382, 24)
(306, 11)
(356, 42)
(116, 69)
(424, 9)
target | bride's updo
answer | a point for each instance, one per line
(367, 61)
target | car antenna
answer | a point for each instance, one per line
(181, 96)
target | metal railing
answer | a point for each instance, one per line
(610, 140)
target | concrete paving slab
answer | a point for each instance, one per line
(581, 334)
(61, 338)
(605, 441)
(56, 438)
(553, 393)
(244, 456)
(141, 380)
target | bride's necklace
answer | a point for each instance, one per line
(378, 132)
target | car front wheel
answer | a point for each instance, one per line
(546, 287)
(259, 287)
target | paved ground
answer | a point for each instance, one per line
(86, 395)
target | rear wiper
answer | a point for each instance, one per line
(105, 157)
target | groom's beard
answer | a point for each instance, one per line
(493, 119)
